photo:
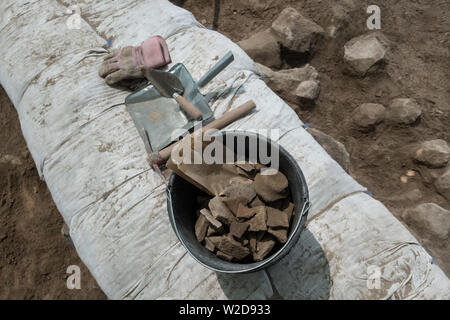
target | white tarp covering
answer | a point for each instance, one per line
(87, 149)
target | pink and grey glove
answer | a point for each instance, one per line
(128, 62)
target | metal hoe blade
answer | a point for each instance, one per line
(166, 83)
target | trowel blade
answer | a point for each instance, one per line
(166, 83)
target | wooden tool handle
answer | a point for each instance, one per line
(188, 107)
(219, 123)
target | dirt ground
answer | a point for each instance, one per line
(34, 255)
(418, 65)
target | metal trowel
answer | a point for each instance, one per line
(168, 85)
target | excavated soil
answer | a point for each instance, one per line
(34, 256)
(418, 64)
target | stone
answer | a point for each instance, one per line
(340, 16)
(282, 82)
(209, 245)
(333, 147)
(201, 226)
(224, 256)
(308, 90)
(244, 212)
(233, 203)
(364, 54)
(247, 167)
(240, 189)
(279, 233)
(442, 184)
(430, 218)
(211, 231)
(271, 187)
(238, 229)
(256, 202)
(276, 218)
(289, 210)
(230, 247)
(433, 153)
(210, 218)
(368, 115)
(403, 111)
(263, 248)
(220, 211)
(65, 231)
(10, 159)
(296, 32)
(263, 48)
(258, 222)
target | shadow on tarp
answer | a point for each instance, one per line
(303, 274)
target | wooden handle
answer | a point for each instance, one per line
(219, 123)
(188, 107)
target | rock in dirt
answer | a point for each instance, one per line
(365, 54)
(271, 187)
(10, 160)
(442, 184)
(333, 147)
(403, 111)
(263, 248)
(308, 90)
(277, 218)
(433, 153)
(230, 247)
(238, 229)
(431, 218)
(296, 32)
(368, 115)
(65, 231)
(340, 16)
(201, 226)
(279, 233)
(259, 221)
(282, 82)
(263, 47)
(220, 211)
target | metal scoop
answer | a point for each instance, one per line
(168, 85)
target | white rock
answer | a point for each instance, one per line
(263, 48)
(296, 32)
(284, 82)
(364, 54)
(442, 184)
(429, 218)
(434, 153)
(403, 111)
(368, 115)
(334, 148)
(308, 89)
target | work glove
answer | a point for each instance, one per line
(128, 63)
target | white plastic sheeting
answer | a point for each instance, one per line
(87, 149)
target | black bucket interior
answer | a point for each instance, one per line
(182, 204)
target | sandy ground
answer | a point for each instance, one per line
(34, 255)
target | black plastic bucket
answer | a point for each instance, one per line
(181, 204)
